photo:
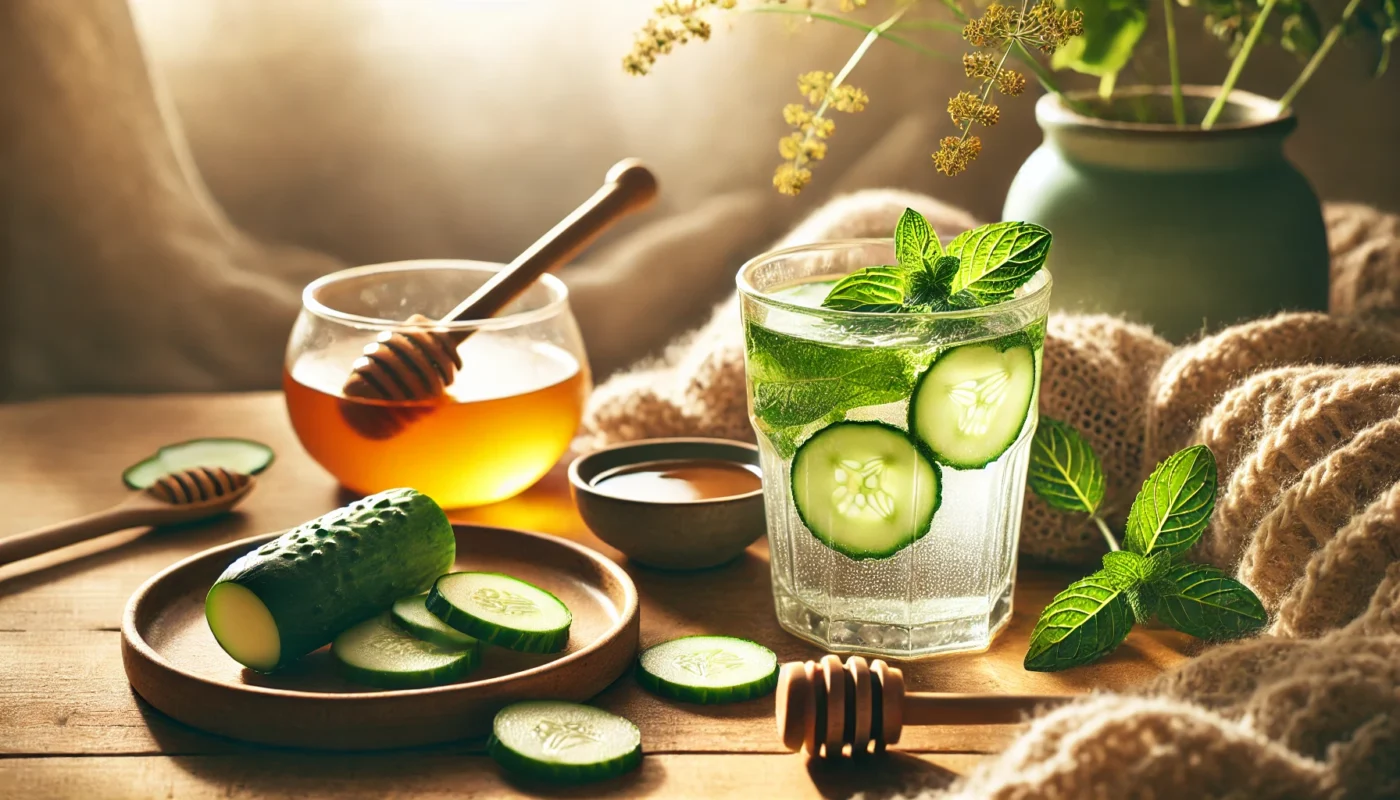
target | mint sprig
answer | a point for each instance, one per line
(980, 267)
(1149, 578)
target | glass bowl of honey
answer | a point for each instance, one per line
(508, 414)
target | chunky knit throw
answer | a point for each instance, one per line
(1303, 414)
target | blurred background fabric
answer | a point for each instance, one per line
(360, 131)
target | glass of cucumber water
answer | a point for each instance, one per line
(894, 448)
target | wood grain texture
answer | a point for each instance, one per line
(445, 774)
(64, 691)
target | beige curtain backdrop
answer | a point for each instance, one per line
(373, 130)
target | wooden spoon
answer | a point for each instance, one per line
(403, 371)
(187, 496)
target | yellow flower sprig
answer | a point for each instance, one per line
(674, 22)
(807, 142)
(994, 34)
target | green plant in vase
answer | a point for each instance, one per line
(1148, 576)
(1154, 192)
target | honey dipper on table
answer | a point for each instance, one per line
(185, 496)
(823, 706)
(416, 365)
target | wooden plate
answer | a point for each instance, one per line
(173, 662)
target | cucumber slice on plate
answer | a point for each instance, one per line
(379, 653)
(412, 614)
(234, 455)
(564, 742)
(864, 488)
(501, 610)
(708, 669)
(972, 401)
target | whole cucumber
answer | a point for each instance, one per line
(299, 591)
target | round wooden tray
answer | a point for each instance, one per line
(173, 662)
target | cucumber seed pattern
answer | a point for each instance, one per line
(978, 399)
(705, 663)
(505, 602)
(555, 737)
(858, 490)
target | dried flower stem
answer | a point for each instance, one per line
(1333, 35)
(880, 30)
(1237, 66)
(874, 33)
(1178, 103)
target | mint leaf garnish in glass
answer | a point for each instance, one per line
(1149, 577)
(980, 267)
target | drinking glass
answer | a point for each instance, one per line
(508, 416)
(950, 588)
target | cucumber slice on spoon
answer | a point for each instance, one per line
(971, 403)
(379, 653)
(708, 669)
(412, 614)
(501, 610)
(864, 488)
(234, 455)
(564, 742)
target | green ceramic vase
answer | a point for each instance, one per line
(1181, 228)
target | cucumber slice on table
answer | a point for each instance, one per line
(972, 401)
(234, 455)
(864, 488)
(298, 591)
(565, 742)
(379, 653)
(501, 610)
(412, 614)
(708, 669)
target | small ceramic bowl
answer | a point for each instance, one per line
(670, 535)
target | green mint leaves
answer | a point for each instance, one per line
(1147, 579)
(1065, 472)
(869, 289)
(980, 267)
(1174, 506)
(799, 381)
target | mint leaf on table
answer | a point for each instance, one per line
(1084, 622)
(1207, 603)
(1064, 471)
(798, 381)
(914, 240)
(1175, 503)
(997, 259)
(868, 289)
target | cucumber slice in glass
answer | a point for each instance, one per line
(865, 489)
(234, 455)
(564, 742)
(972, 401)
(412, 614)
(501, 610)
(708, 669)
(379, 653)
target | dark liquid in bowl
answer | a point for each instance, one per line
(679, 480)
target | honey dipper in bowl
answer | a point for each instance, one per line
(415, 365)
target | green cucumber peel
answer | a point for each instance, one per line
(1149, 578)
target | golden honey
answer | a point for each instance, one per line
(507, 418)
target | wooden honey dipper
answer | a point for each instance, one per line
(186, 496)
(823, 706)
(415, 366)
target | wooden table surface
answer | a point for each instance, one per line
(71, 727)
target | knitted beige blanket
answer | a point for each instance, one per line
(1303, 414)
